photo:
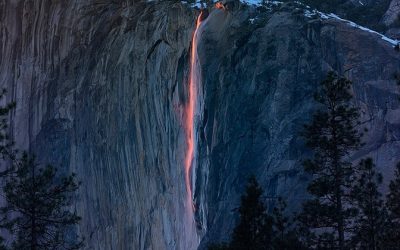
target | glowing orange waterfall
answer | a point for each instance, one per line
(190, 113)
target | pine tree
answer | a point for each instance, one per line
(280, 225)
(220, 246)
(392, 239)
(332, 136)
(274, 231)
(393, 199)
(254, 229)
(6, 152)
(371, 220)
(284, 237)
(37, 207)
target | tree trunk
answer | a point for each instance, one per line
(340, 228)
(338, 181)
(33, 218)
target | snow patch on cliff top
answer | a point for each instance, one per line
(259, 2)
(253, 2)
(199, 4)
(313, 13)
(308, 12)
(383, 37)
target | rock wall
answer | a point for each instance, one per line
(100, 88)
(260, 71)
(392, 13)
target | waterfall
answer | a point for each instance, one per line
(190, 114)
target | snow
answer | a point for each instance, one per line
(353, 24)
(259, 2)
(253, 2)
(196, 4)
(313, 13)
(310, 13)
(248, 2)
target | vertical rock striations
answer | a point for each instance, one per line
(100, 89)
(259, 73)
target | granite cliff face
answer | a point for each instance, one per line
(101, 90)
(393, 13)
(259, 78)
(392, 19)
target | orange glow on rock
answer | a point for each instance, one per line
(190, 113)
(219, 5)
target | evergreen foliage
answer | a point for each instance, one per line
(36, 203)
(393, 205)
(347, 209)
(6, 143)
(37, 210)
(220, 246)
(254, 229)
(284, 235)
(258, 230)
(371, 221)
(332, 135)
(6, 151)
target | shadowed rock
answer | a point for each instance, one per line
(101, 88)
(258, 82)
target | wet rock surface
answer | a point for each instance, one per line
(259, 77)
(101, 88)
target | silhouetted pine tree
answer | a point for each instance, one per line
(267, 231)
(371, 219)
(254, 229)
(280, 225)
(284, 236)
(331, 135)
(6, 143)
(220, 246)
(392, 239)
(6, 151)
(37, 209)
